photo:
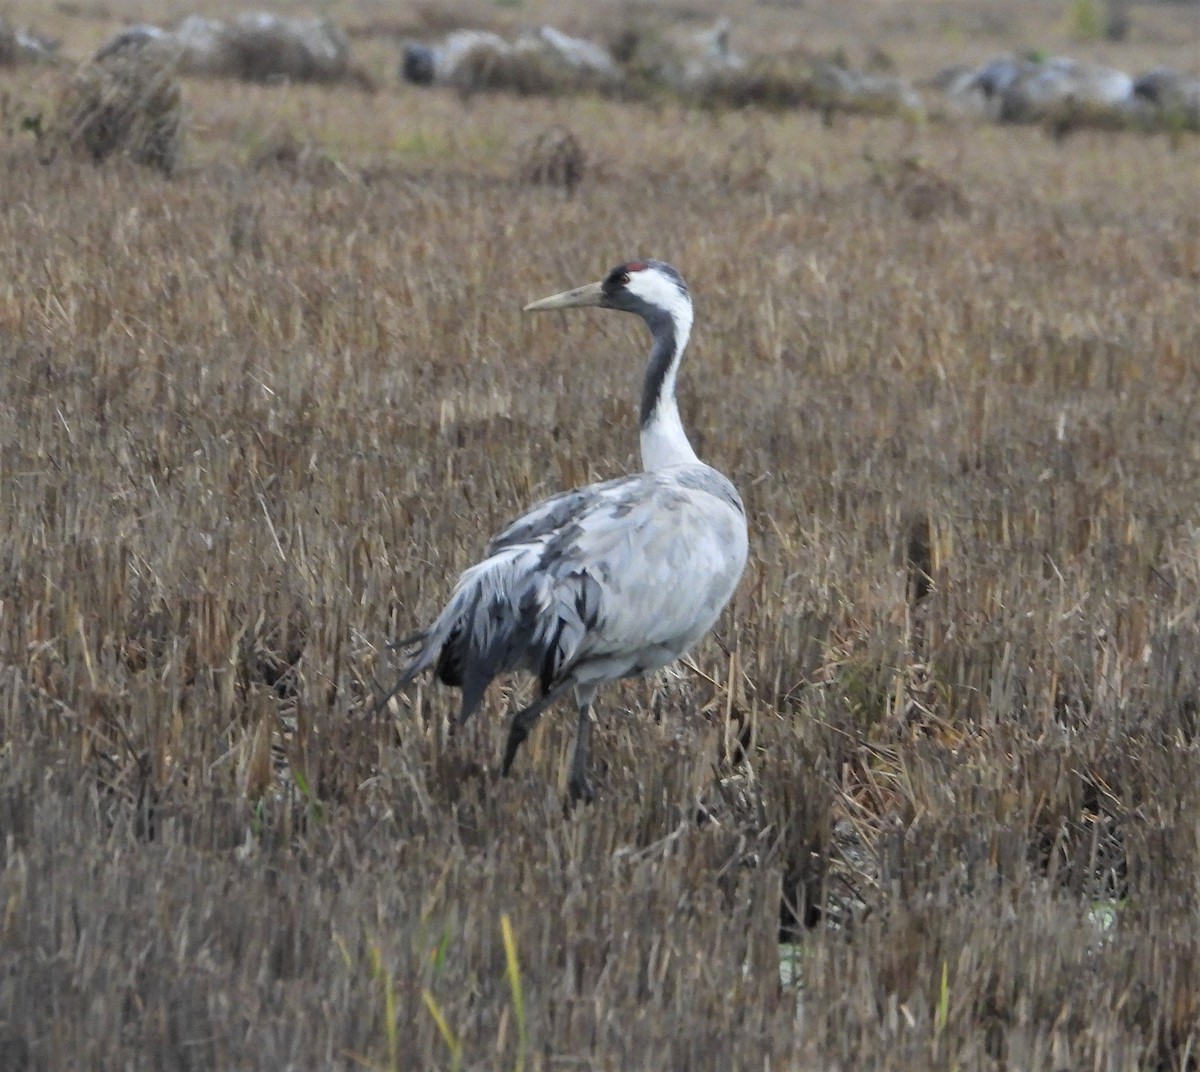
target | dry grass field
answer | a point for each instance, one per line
(929, 798)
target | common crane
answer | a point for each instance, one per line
(612, 580)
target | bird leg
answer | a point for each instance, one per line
(473, 688)
(523, 721)
(578, 785)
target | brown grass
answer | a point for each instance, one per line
(254, 419)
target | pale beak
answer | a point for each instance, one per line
(592, 294)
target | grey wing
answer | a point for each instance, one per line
(551, 515)
(640, 576)
(502, 613)
(606, 581)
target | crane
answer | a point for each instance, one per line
(611, 580)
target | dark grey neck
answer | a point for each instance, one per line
(662, 357)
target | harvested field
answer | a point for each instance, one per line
(928, 798)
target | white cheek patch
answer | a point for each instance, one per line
(662, 291)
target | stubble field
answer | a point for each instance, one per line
(928, 798)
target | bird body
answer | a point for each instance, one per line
(611, 580)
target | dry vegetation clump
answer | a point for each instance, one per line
(528, 68)
(544, 62)
(767, 83)
(8, 44)
(920, 190)
(842, 89)
(265, 47)
(127, 104)
(554, 157)
(1071, 116)
(530, 72)
(945, 744)
(800, 79)
(286, 154)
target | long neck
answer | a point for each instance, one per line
(664, 442)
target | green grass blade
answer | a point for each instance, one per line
(453, 1043)
(943, 1005)
(514, 982)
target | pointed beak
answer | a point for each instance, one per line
(592, 294)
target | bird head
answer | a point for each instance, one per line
(648, 288)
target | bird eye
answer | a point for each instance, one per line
(624, 280)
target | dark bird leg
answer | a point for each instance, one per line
(523, 721)
(473, 687)
(578, 785)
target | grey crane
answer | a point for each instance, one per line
(612, 580)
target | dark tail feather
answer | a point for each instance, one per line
(408, 641)
(431, 647)
(473, 686)
(454, 667)
(464, 653)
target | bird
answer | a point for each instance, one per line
(612, 580)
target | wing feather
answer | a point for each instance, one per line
(612, 579)
(552, 514)
(660, 558)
